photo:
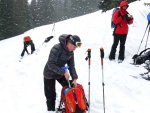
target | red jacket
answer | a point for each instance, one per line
(122, 23)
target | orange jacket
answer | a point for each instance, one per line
(121, 20)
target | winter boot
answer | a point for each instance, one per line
(50, 105)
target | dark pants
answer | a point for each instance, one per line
(50, 91)
(26, 44)
(24, 50)
(122, 39)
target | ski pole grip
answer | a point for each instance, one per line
(89, 55)
(102, 52)
(102, 55)
(65, 68)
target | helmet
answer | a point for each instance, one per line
(27, 38)
(75, 40)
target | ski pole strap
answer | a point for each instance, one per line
(65, 68)
(102, 55)
(69, 83)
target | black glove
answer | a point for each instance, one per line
(127, 17)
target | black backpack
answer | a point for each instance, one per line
(142, 57)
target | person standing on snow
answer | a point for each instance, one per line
(27, 42)
(121, 20)
(60, 55)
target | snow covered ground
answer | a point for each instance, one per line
(21, 83)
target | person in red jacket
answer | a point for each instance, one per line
(122, 19)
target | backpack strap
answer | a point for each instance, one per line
(119, 14)
(75, 97)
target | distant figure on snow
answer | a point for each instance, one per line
(27, 42)
(122, 19)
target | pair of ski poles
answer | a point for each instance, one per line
(148, 25)
(89, 63)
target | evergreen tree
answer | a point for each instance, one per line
(105, 5)
(59, 6)
(39, 12)
(42, 12)
(6, 19)
(47, 12)
(34, 13)
(21, 16)
(14, 18)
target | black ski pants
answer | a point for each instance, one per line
(26, 44)
(50, 91)
(118, 38)
(24, 50)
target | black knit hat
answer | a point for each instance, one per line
(75, 40)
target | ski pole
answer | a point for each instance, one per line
(69, 86)
(89, 63)
(45, 41)
(102, 56)
(53, 29)
(147, 36)
(143, 36)
(65, 68)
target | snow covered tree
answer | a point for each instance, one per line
(14, 18)
(105, 5)
(6, 19)
(21, 16)
(41, 12)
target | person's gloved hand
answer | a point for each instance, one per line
(128, 17)
(74, 82)
(125, 16)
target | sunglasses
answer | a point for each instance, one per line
(78, 44)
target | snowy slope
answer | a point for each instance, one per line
(21, 83)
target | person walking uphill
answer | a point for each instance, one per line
(60, 55)
(121, 18)
(27, 42)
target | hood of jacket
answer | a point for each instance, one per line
(124, 3)
(63, 40)
(123, 11)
